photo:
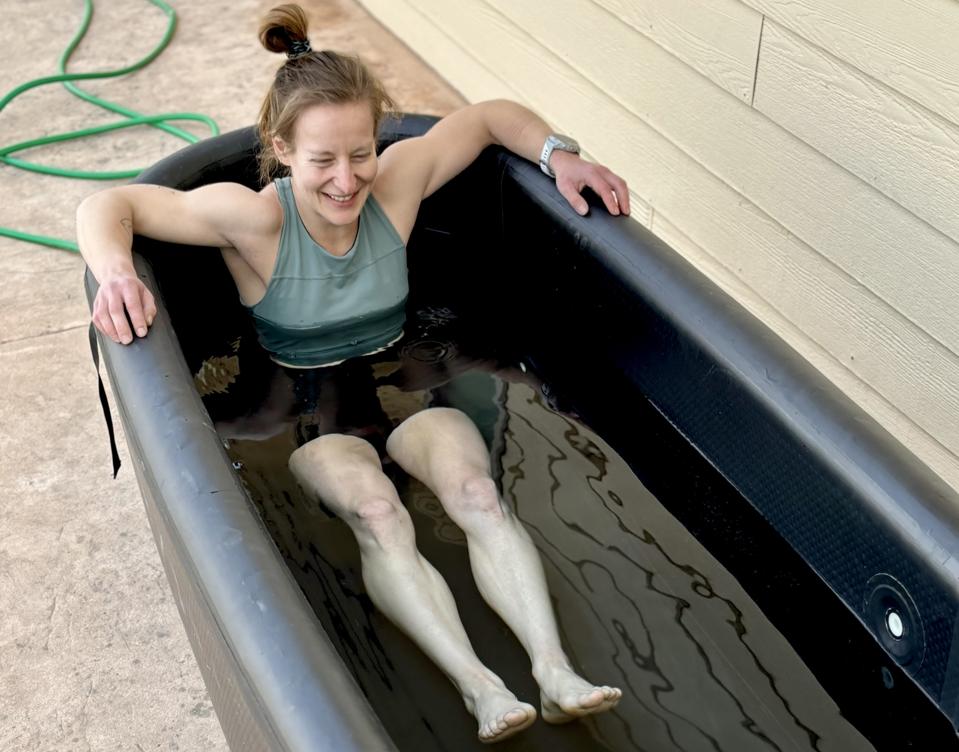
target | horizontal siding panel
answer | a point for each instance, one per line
(897, 358)
(899, 147)
(467, 73)
(909, 45)
(432, 44)
(886, 413)
(719, 39)
(892, 252)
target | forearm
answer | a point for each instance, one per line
(105, 234)
(521, 131)
(515, 127)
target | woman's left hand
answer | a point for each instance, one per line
(573, 174)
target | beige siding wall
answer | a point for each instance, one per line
(804, 154)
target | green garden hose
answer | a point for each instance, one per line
(132, 119)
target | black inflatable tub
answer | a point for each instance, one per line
(749, 556)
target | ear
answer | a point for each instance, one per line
(283, 151)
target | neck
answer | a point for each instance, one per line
(337, 239)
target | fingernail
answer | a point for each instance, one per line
(142, 331)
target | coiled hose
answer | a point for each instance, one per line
(131, 118)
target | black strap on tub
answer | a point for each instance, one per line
(95, 351)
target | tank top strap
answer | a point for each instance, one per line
(291, 220)
(285, 193)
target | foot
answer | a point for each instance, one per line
(565, 696)
(499, 713)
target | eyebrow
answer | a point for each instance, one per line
(330, 154)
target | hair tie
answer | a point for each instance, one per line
(299, 48)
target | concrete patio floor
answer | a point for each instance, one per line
(93, 655)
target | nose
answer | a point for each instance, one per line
(345, 179)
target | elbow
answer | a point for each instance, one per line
(101, 204)
(83, 208)
(91, 205)
(86, 209)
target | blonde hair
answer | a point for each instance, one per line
(306, 79)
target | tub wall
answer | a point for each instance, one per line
(804, 155)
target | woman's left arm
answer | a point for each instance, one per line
(454, 142)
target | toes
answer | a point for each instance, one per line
(591, 699)
(596, 700)
(512, 721)
(612, 695)
(486, 731)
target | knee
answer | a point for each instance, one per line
(478, 500)
(381, 521)
(431, 420)
(303, 457)
(331, 452)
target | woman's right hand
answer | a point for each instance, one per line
(119, 296)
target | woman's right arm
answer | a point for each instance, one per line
(106, 222)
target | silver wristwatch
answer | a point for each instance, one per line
(555, 141)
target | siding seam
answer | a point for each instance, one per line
(931, 114)
(634, 29)
(842, 61)
(790, 27)
(759, 51)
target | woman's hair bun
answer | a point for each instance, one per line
(284, 28)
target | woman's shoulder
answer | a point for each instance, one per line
(239, 209)
(259, 206)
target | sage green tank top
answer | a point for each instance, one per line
(320, 308)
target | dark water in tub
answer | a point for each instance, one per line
(664, 581)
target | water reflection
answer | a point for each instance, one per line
(701, 666)
(639, 601)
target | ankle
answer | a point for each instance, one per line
(545, 667)
(478, 684)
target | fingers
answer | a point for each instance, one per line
(612, 190)
(605, 191)
(621, 192)
(569, 191)
(119, 318)
(118, 298)
(101, 317)
(134, 306)
(149, 306)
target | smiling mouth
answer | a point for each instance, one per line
(342, 198)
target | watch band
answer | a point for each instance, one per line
(553, 142)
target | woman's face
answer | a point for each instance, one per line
(332, 159)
